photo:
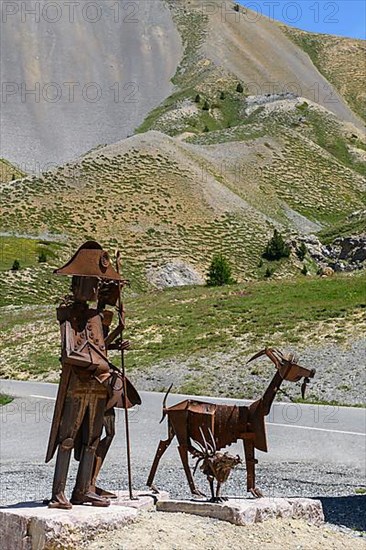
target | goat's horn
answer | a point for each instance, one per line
(204, 440)
(259, 354)
(196, 466)
(208, 447)
(213, 440)
(200, 449)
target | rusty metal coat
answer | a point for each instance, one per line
(83, 351)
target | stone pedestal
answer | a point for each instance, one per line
(40, 528)
(33, 526)
(243, 511)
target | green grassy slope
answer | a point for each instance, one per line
(196, 335)
(340, 60)
(139, 195)
(9, 172)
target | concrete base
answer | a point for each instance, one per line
(33, 526)
(245, 511)
(40, 528)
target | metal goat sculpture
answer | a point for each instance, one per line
(192, 420)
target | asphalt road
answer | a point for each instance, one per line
(314, 451)
(296, 432)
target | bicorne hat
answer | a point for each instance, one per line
(90, 261)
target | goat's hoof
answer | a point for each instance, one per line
(154, 489)
(256, 493)
(218, 499)
(198, 493)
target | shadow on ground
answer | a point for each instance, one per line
(30, 504)
(349, 511)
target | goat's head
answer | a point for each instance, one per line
(230, 461)
(287, 366)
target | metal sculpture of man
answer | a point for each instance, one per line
(90, 384)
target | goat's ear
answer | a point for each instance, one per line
(259, 354)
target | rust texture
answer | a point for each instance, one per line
(215, 465)
(90, 385)
(198, 421)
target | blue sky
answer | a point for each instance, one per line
(341, 17)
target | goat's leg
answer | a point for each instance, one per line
(211, 482)
(218, 492)
(162, 447)
(183, 451)
(250, 462)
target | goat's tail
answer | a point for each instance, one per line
(164, 402)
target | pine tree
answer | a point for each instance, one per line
(42, 257)
(219, 273)
(276, 248)
(16, 265)
(206, 106)
(301, 252)
(197, 99)
(240, 88)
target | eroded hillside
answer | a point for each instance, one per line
(214, 168)
(77, 76)
(163, 199)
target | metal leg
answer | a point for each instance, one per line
(58, 499)
(250, 462)
(211, 482)
(92, 427)
(162, 447)
(183, 451)
(101, 452)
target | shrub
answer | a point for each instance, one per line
(301, 252)
(268, 273)
(219, 273)
(42, 257)
(236, 7)
(197, 99)
(304, 270)
(276, 248)
(16, 265)
(206, 129)
(222, 95)
(240, 88)
(206, 106)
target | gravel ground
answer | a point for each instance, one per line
(335, 486)
(159, 531)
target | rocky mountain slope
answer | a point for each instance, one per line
(96, 70)
(215, 167)
(163, 199)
